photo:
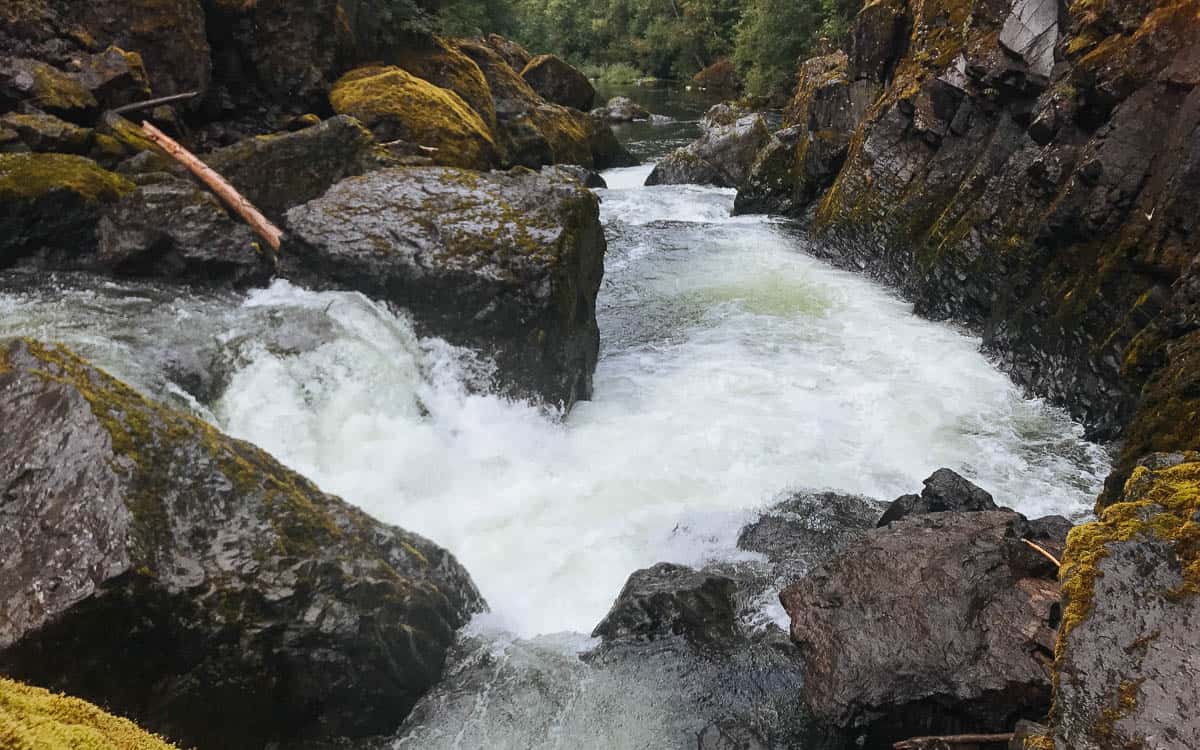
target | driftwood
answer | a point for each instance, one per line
(154, 102)
(226, 192)
(929, 743)
(1045, 553)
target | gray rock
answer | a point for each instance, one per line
(191, 582)
(575, 172)
(944, 491)
(671, 600)
(722, 156)
(508, 263)
(621, 109)
(1030, 32)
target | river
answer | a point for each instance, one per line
(734, 367)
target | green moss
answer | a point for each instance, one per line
(568, 132)
(35, 719)
(440, 63)
(397, 104)
(31, 176)
(55, 91)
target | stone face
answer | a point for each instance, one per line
(722, 156)
(559, 83)
(936, 624)
(202, 579)
(667, 600)
(1030, 32)
(507, 263)
(1128, 667)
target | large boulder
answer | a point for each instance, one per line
(1128, 668)
(945, 490)
(722, 156)
(936, 624)
(671, 600)
(41, 85)
(620, 109)
(442, 64)
(396, 105)
(506, 263)
(559, 83)
(195, 584)
(32, 718)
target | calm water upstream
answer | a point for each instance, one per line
(734, 367)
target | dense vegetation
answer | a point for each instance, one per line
(665, 38)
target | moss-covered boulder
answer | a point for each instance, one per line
(396, 105)
(559, 83)
(442, 64)
(508, 263)
(35, 719)
(40, 85)
(42, 132)
(115, 77)
(722, 156)
(513, 54)
(193, 583)
(1128, 668)
(279, 171)
(50, 205)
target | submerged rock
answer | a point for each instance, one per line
(722, 156)
(506, 263)
(190, 581)
(559, 83)
(620, 109)
(939, 623)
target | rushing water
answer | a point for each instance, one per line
(734, 367)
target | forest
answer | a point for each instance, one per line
(623, 40)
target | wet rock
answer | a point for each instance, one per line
(174, 230)
(1128, 669)
(671, 600)
(394, 104)
(586, 176)
(620, 109)
(246, 593)
(944, 491)
(506, 263)
(722, 156)
(607, 151)
(931, 625)
(559, 83)
(280, 171)
(50, 206)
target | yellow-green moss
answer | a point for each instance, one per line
(392, 101)
(568, 132)
(35, 719)
(31, 176)
(55, 90)
(440, 63)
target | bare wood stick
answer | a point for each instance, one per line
(916, 743)
(154, 102)
(1044, 552)
(218, 185)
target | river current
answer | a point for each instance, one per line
(734, 367)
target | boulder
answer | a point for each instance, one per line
(42, 132)
(442, 64)
(394, 105)
(722, 156)
(1128, 669)
(936, 624)
(720, 76)
(39, 84)
(115, 77)
(50, 206)
(620, 109)
(607, 151)
(1031, 32)
(174, 230)
(508, 263)
(944, 491)
(559, 83)
(31, 717)
(671, 600)
(277, 172)
(516, 56)
(574, 171)
(207, 591)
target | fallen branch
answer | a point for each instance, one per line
(154, 102)
(218, 185)
(1044, 552)
(917, 743)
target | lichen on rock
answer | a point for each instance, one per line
(35, 719)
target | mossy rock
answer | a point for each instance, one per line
(252, 596)
(35, 719)
(559, 83)
(42, 132)
(568, 131)
(396, 105)
(50, 205)
(443, 65)
(45, 87)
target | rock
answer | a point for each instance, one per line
(50, 206)
(45, 87)
(280, 171)
(115, 77)
(671, 600)
(396, 105)
(586, 176)
(31, 717)
(1030, 32)
(620, 109)
(1128, 669)
(442, 64)
(513, 54)
(247, 593)
(928, 626)
(1029, 735)
(723, 115)
(607, 151)
(41, 132)
(176, 231)
(506, 263)
(879, 34)
(559, 83)
(722, 156)
(945, 491)
(720, 76)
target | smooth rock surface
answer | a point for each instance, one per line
(722, 156)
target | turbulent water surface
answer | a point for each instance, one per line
(734, 367)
